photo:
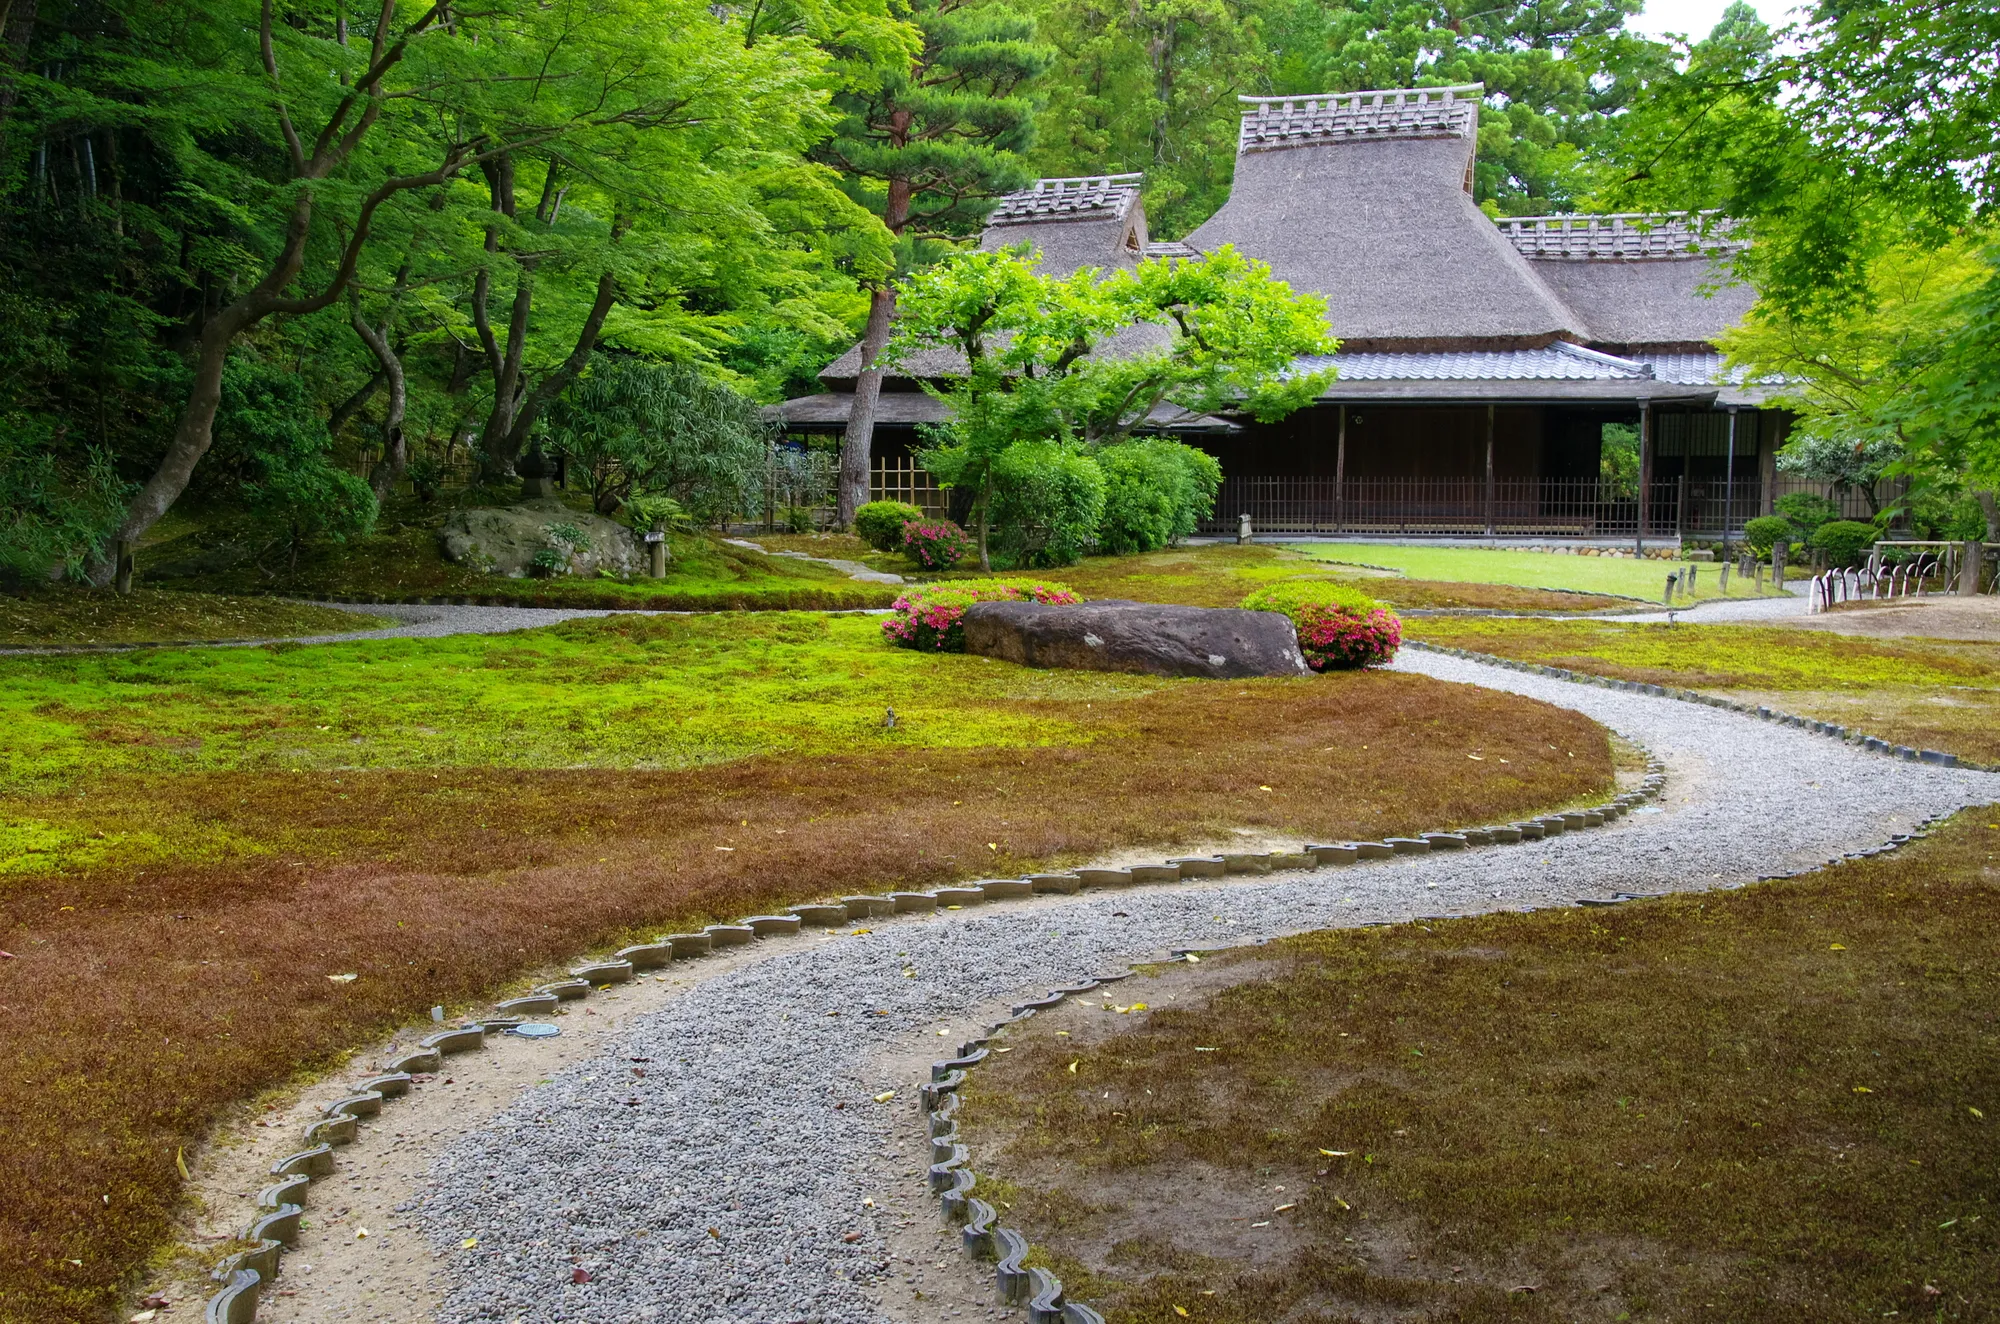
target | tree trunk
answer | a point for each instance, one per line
(857, 446)
(395, 454)
(1989, 504)
(985, 503)
(344, 412)
(553, 385)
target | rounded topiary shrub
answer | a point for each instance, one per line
(1845, 541)
(1765, 531)
(880, 523)
(933, 616)
(1339, 628)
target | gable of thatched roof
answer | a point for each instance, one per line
(1638, 280)
(1087, 221)
(1363, 197)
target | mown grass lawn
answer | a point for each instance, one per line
(1925, 693)
(1769, 1105)
(195, 840)
(1589, 574)
(57, 617)
(1219, 575)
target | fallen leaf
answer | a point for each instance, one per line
(6, 956)
(1476, 758)
(143, 1316)
(1342, 1203)
(180, 1161)
(468, 1243)
(155, 1301)
(1072, 1068)
(725, 848)
(1863, 1089)
(714, 1233)
(851, 1238)
(1192, 959)
(1836, 947)
(1336, 1153)
(885, 1096)
(343, 979)
(858, 932)
(991, 846)
(361, 1233)
(1181, 1311)
(579, 1275)
(1283, 1207)
(1975, 1112)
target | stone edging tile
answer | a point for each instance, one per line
(280, 1205)
(1872, 744)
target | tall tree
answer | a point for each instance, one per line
(926, 144)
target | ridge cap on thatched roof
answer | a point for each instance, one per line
(1072, 198)
(1621, 236)
(1270, 123)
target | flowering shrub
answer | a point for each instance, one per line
(933, 616)
(937, 546)
(1339, 627)
(1334, 638)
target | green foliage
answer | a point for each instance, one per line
(1846, 542)
(1766, 531)
(652, 513)
(880, 523)
(1048, 501)
(273, 453)
(630, 427)
(929, 130)
(1618, 459)
(1155, 493)
(1807, 511)
(1848, 464)
(54, 515)
(1292, 596)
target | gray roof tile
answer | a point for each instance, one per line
(1424, 112)
(1627, 235)
(1086, 197)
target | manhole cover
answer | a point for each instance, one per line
(536, 1030)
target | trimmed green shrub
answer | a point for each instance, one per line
(1290, 596)
(1806, 511)
(1764, 532)
(1155, 493)
(933, 616)
(1048, 499)
(1845, 541)
(880, 523)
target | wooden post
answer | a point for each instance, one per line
(1729, 485)
(656, 553)
(1340, 475)
(1645, 476)
(1969, 567)
(1779, 550)
(1489, 471)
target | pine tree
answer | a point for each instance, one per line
(927, 145)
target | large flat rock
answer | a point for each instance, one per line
(1220, 643)
(503, 540)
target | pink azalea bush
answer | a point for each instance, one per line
(933, 616)
(1339, 627)
(937, 544)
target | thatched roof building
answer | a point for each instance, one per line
(1475, 354)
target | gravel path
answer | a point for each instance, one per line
(723, 1185)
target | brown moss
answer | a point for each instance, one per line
(1766, 1105)
(140, 1005)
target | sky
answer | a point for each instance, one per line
(1696, 18)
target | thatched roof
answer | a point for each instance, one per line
(828, 413)
(1363, 198)
(1088, 221)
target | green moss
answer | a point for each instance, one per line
(1725, 656)
(617, 692)
(1590, 574)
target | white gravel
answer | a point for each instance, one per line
(735, 1126)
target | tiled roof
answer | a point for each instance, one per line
(1171, 248)
(1089, 197)
(1686, 369)
(1560, 361)
(1631, 235)
(1425, 112)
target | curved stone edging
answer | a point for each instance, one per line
(1872, 744)
(243, 1272)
